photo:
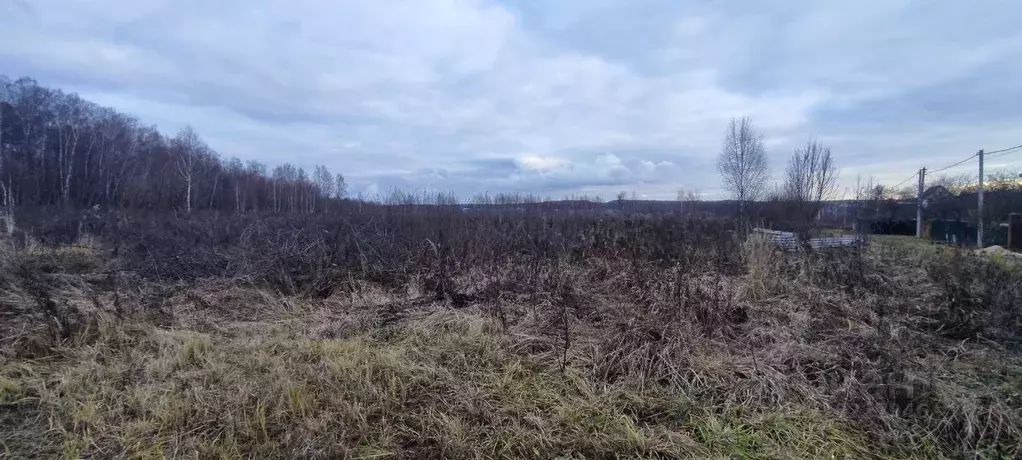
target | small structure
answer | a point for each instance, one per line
(788, 241)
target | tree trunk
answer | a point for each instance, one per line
(188, 194)
(216, 181)
(68, 143)
(6, 204)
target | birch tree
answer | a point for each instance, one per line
(6, 206)
(236, 171)
(324, 182)
(70, 120)
(253, 171)
(187, 147)
(742, 163)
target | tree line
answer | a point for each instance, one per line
(57, 149)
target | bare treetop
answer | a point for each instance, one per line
(742, 163)
(811, 175)
(811, 178)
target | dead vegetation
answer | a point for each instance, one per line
(412, 334)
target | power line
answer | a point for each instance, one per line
(906, 180)
(987, 155)
(1003, 150)
(957, 164)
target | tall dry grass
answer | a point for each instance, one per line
(609, 341)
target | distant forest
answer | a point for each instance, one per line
(57, 149)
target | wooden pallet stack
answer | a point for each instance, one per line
(788, 241)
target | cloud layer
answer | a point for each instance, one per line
(551, 98)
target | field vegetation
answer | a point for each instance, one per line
(433, 331)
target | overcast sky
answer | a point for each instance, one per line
(545, 96)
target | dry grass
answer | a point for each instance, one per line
(819, 356)
(445, 384)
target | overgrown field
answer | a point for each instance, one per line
(422, 333)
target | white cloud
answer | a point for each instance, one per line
(542, 163)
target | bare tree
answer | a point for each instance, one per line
(187, 146)
(954, 183)
(6, 204)
(235, 170)
(687, 199)
(809, 179)
(70, 117)
(1004, 180)
(286, 188)
(31, 107)
(742, 163)
(872, 196)
(212, 166)
(342, 187)
(253, 171)
(324, 181)
(622, 197)
(301, 185)
(907, 193)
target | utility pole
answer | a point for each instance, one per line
(979, 228)
(919, 203)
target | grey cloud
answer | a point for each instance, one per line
(457, 95)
